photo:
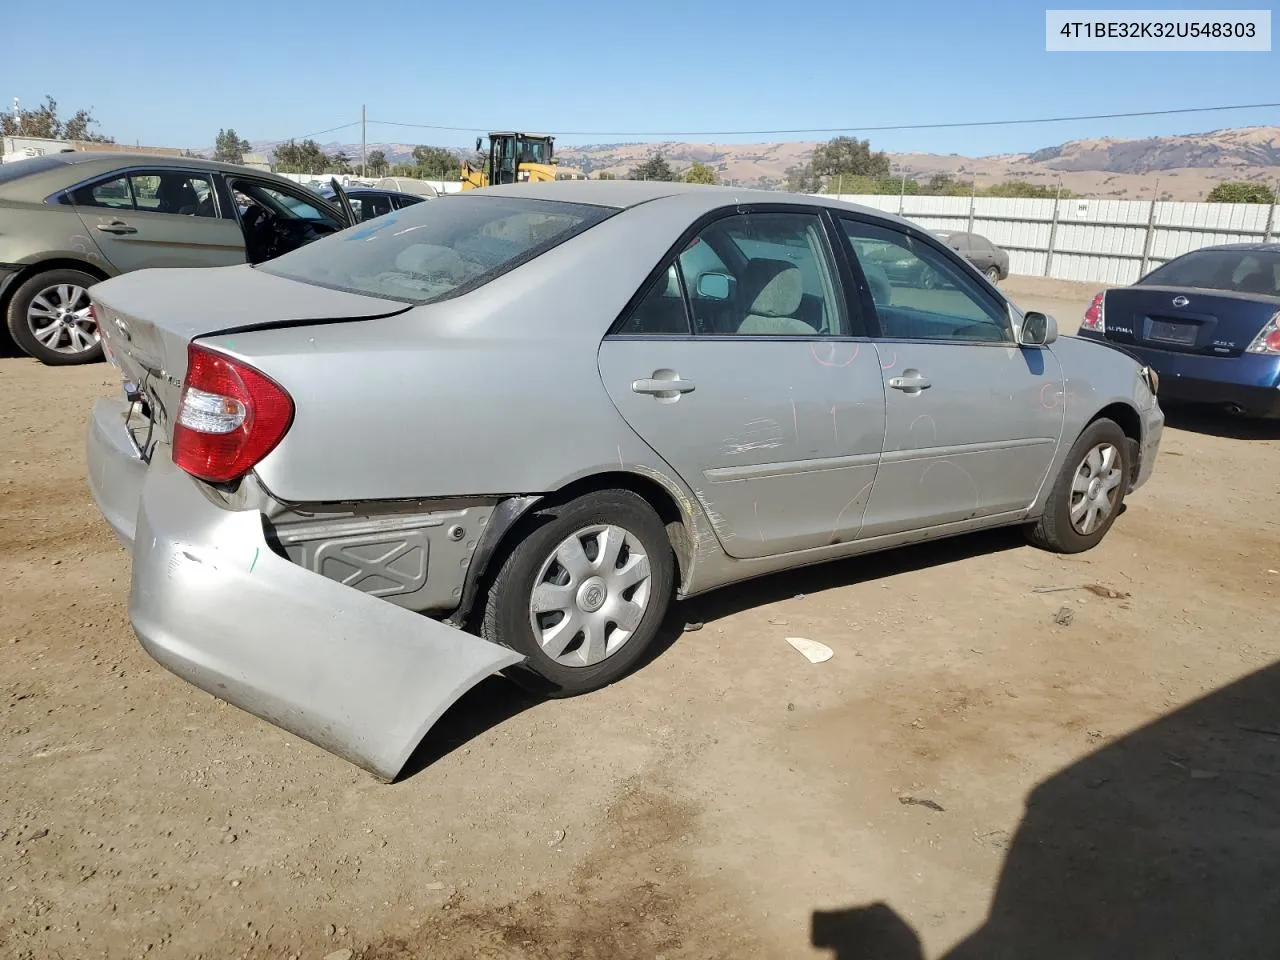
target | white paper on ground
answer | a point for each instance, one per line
(812, 650)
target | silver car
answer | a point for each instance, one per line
(499, 431)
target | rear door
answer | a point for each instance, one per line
(972, 419)
(159, 217)
(741, 366)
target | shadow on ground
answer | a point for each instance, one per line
(496, 699)
(1165, 843)
(1214, 423)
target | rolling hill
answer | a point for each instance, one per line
(1180, 167)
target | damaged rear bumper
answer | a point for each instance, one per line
(212, 602)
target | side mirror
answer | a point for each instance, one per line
(715, 286)
(1038, 329)
(479, 141)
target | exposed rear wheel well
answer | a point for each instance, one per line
(650, 490)
(653, 492)
(61, 263)
(1128, 420)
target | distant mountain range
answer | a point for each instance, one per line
(1186, 166)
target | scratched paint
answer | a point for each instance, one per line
(760, 434)
(835, 529)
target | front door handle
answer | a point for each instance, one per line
(664, 384)
(910, 383)
(116, 226)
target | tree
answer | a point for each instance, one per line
(376, 162)
(802, 180)
(655, 167)
(1241, 192)
(229, 148)
(700, 173)
(43, 122)
(304, 157)
(1021, 188)
(436, 163)
(606, 175)
(338, 163)
(848, 157)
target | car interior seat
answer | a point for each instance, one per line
(773, 291)
(176, 195)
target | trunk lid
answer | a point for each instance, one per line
(148, 317)
(1196, 320)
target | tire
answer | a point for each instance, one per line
(598, 520)
(993, 274)
(55, 289)
(1056, 530)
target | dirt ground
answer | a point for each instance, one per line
(731, 799)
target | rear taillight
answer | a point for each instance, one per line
(1095, 317)
(229, 418)
(1268, 338)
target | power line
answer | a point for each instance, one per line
(871, 129)
(308, 136)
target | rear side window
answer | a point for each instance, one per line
(435, 250)
(105, 193)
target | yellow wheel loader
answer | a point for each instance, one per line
(512, 158)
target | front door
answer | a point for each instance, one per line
(160, 218)
(972, 419)
(743, 370)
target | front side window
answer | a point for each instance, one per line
(919, 293)
(431, 251)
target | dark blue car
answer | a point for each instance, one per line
(1208, 323)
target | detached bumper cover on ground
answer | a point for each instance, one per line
(210, 601)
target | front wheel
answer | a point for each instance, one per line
(50, 320)
(1089, 492)
(583, 593)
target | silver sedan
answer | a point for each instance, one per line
(499, 432)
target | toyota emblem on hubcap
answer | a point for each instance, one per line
(1180, 301)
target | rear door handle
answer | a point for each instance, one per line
(116, 226)
(910, 384)
(667, 387)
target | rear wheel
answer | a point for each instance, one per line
(993, 274)
(1089, 492)
(49, 318)
(583, 593)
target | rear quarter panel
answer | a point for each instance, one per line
(495, 392)
(32, 233)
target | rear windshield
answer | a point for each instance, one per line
(25, 167)
(430, 251)
(1240, 271)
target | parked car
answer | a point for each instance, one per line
(73, 219)
(370, 202)
(990, 260)
(500, 431)
(1208, 322)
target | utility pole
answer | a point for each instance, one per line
(364, 143)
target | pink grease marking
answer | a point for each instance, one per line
(795, 421)
(835, 427)
(891, 364)
(830, 360)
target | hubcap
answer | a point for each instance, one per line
(59, 319)
(590, 595)
(1095, 488)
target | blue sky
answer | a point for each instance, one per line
(175, 73)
